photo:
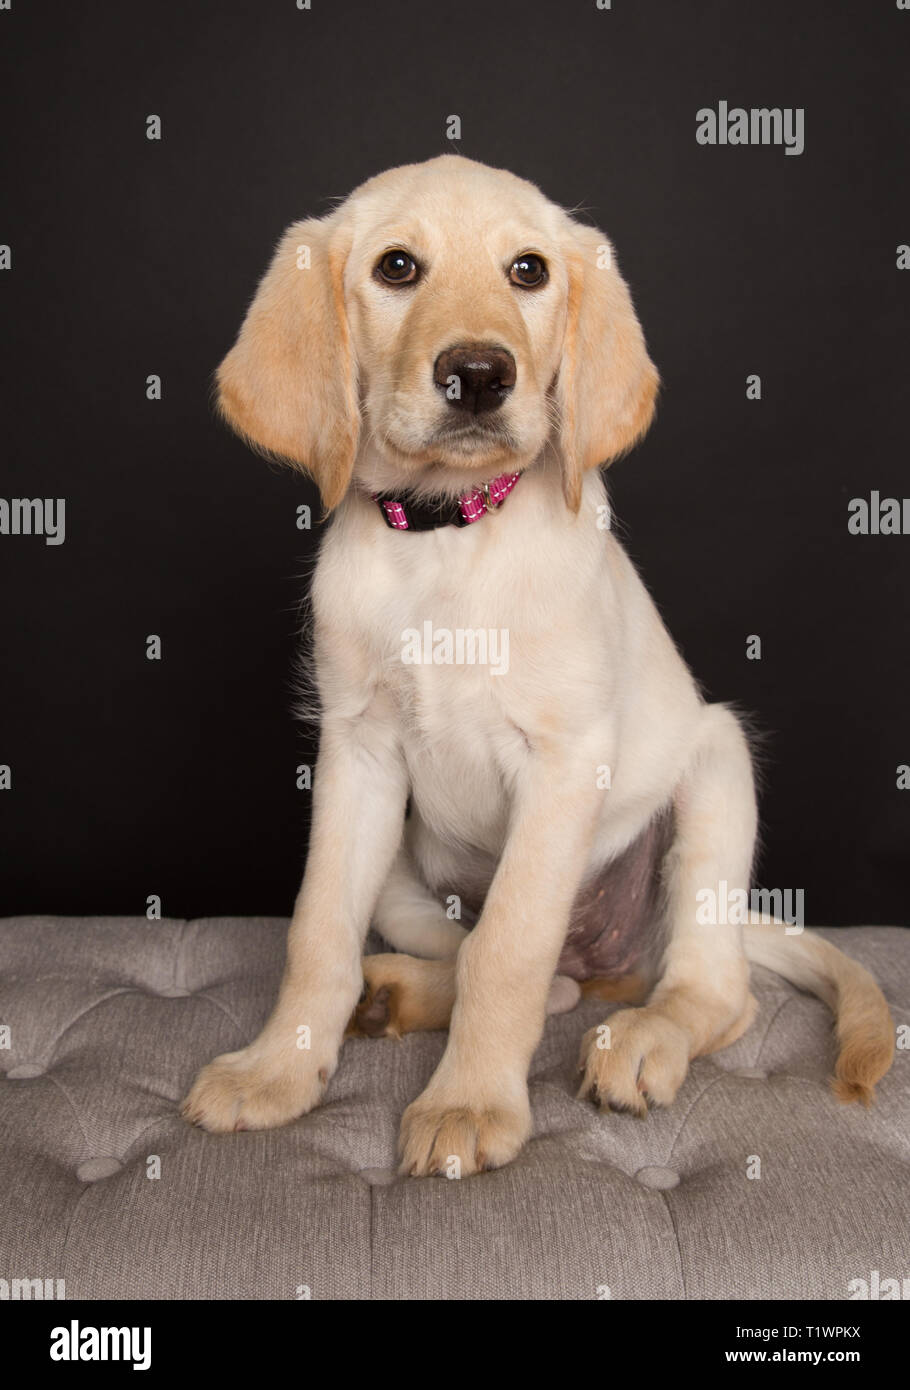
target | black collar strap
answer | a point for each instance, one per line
(406, 512)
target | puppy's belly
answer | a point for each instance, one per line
(618, 925)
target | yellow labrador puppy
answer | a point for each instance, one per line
(451, 357)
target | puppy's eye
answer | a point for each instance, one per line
(528, 271)
(397, 268)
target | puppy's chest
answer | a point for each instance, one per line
(442, 638)
(449, 666)
(450, 681)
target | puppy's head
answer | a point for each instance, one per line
(437, 328)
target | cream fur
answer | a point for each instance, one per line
(333, 372)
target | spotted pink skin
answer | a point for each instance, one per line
(617, 926)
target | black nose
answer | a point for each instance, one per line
(475, 378)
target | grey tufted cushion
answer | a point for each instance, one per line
(111, 1018)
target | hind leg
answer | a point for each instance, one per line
(702, 1001)
(409, 918)
(405, 995)
(404, 992)
(413, 989)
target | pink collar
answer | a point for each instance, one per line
(405, 512)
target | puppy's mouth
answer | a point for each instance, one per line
(473, 435)
(466, 442)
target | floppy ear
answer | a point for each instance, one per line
(287, 385)
(607, 383)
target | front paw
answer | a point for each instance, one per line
(253, 1090)
(458, 1140)
(639, 1058)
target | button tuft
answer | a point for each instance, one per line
(95, 1168)
(660, 1178)
(379, 1177)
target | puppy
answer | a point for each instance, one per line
(451, 357)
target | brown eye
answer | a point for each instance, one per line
(397, 268)
(528, 271)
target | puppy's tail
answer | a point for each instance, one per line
(865, 1028)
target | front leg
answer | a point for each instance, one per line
(359, 800)
(475, 1112)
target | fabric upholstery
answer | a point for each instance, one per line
(109, 1020)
